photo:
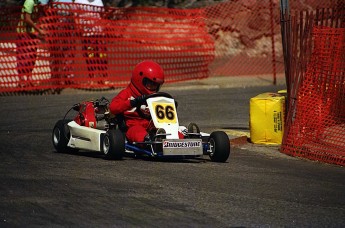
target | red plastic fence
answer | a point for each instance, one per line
(88, 46)
(317, 129)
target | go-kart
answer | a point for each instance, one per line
(94, 128)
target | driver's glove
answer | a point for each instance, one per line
(138, 101)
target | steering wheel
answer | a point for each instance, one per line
(159, 94)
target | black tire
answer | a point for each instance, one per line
(220, 146)
(113, 144)
(60, 136)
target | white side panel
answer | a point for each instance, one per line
(84, 137)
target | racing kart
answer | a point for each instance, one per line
(94, 128)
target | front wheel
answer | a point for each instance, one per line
(60, 136)
(113, 144)
(219, 144)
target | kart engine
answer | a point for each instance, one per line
(92, 113)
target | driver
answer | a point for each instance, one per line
(147, 78)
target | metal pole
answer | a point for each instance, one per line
(286, 41)
(284, 20)
(285, 23)
(273, 46)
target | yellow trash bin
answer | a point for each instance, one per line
(267, 118)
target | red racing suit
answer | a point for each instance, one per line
(137, 126)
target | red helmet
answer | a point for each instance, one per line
(147, 77)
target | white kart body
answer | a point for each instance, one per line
(86, 138)
(164, 115)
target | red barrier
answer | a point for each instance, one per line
(317, 129)
(91, 47)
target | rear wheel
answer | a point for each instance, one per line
(113, 144)
(219, 146)
(60, 136)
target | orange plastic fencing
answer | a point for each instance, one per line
(317, 129)
(90, 47)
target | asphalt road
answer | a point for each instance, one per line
(257, 186)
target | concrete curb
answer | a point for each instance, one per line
(239, 141)
(237, 138)
(243, 81)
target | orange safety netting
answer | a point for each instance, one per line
(88, 46)
(317, 127)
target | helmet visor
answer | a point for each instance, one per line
(151, 85)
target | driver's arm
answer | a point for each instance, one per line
(120, 103)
